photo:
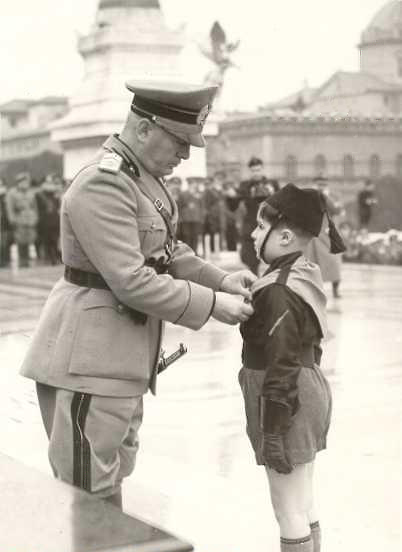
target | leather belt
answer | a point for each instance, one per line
(86, 279)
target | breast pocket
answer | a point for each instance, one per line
(152, 233)
(107, 343)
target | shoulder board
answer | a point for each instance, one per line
(111, 162)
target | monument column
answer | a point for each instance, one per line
(129, 40)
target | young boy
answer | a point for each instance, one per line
(287, 398)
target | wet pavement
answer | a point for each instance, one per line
(195, 474)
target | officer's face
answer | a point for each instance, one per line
(164, 151)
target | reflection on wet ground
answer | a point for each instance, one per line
(195, 474)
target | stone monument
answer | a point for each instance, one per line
(129, 39)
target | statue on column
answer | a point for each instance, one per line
(219, 51)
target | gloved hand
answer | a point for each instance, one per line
(272, 451)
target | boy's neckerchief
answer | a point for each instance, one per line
(304, 279)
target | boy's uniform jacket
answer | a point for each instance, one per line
(282, 337)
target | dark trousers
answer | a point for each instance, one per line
(23, 254)
(189, 234)
(231, 236)
(210, 229)
(5, 244)
(50, 250)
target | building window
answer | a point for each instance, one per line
(375, 166)
(291, 167)
(348, 167)
(399, 166)
(320, 165)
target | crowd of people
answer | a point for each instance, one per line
(29, 218)
(217, 213)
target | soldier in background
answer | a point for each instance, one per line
(49, 220)
(191, 213)
(6, 234)
(231, 198)
(251, 193)
(366, 199)
(213, 221)
(22, 211)
(318, 249)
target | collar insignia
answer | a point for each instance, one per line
(111, 163)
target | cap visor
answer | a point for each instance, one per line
(196, 140)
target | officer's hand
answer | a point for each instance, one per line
(272, 453)
(239, 283)
(230, 309)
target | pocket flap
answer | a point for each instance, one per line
(150, 223)
(100, 298)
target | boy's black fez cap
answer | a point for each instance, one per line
(305, 207)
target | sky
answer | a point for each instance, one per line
(284, 44)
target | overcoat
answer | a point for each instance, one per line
(22, 212)
(86, 339)
(318, 250)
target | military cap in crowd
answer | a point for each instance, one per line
(254, 161)
(305, 207)
(21, 176)
(180, 109)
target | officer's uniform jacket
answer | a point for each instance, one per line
(86, 339)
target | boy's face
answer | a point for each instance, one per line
(281, 240)
(259, 234)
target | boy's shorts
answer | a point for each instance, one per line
(93, 440)
(309, 428)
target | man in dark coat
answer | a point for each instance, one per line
(6, 234)
(251, 193)
(49, 223)
(366, 199)
(191, 212)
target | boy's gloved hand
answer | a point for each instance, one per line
(273, 453)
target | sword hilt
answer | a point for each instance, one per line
(165, 362)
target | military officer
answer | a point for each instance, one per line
(96, 348)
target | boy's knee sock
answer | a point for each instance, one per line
(316, 535)
(304, 544)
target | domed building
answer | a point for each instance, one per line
(377, 88)
(347, 130)
(381, 44)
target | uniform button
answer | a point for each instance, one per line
(121, 309)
